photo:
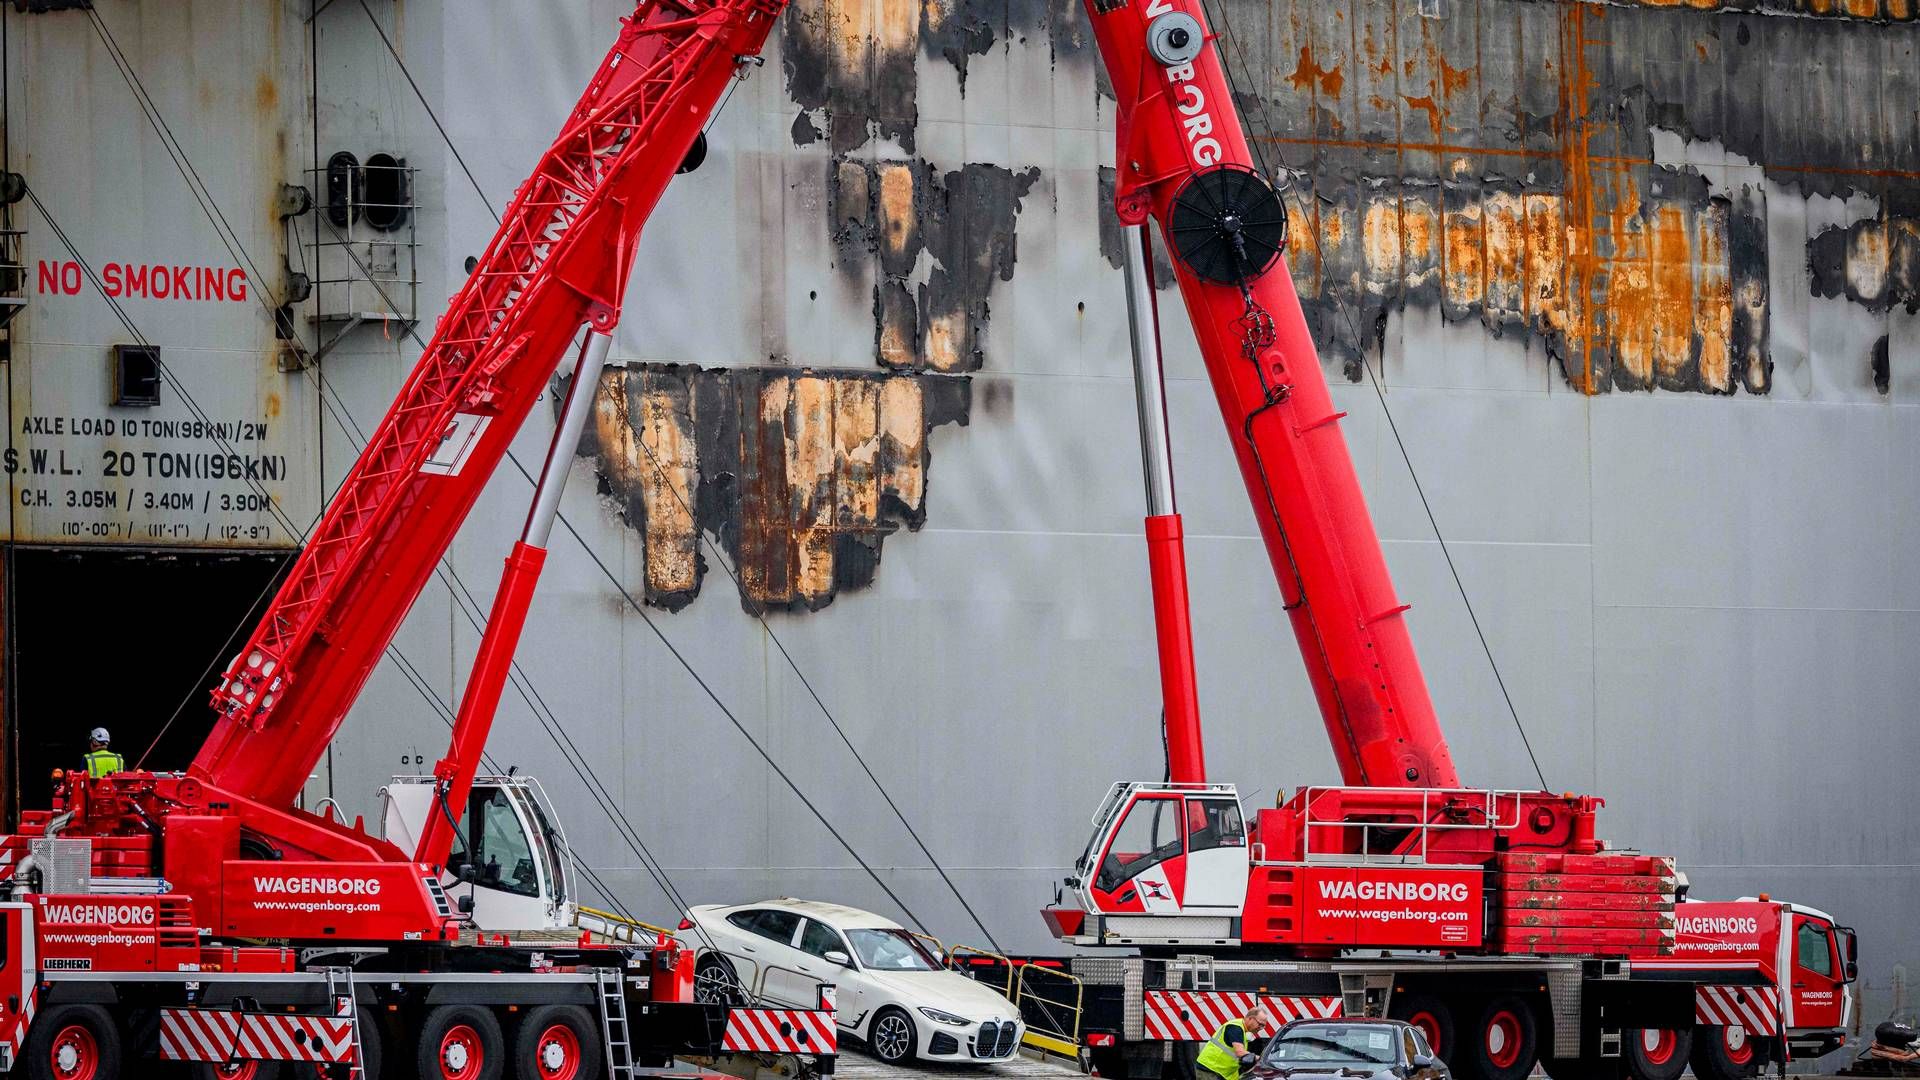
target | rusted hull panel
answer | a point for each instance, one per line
(1594, 176)
(798, 475)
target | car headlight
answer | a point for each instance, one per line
(940, 1017)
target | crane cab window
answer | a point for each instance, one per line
(1813, 948)
(1214, 823)
(497, 846)
(1148, 836)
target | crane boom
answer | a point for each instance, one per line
(1185, 162)
(559, 261)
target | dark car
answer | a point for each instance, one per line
(1379, 1049)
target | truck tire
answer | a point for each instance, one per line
(241, 1070)
(557, 1042)
(1585, 1068)
(1503, 1043)
(460, 1042)
(1657, 1053)
(1433, 1017)
(1724, 1053)
(373, 1049)
(73, 1042)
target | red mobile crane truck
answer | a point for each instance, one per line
(1496, 921)
(202, 916)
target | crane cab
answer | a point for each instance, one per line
(508, 857)
(1167, 863)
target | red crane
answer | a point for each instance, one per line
(1517, 927)
(209, 898)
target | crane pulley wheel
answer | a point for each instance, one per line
(1228, 225)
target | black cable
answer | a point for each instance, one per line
(1353, 325)
(717, 554)
(236, 248)
(431, 115)
(1446, 551)
(738, 726)
(197, 186)
(445, 713)
(407, 668)
(712, 548)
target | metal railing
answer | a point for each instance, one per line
(1051, 1000)
(364, 262)
(1490, 810)
(620, 927)
(1048, 1000)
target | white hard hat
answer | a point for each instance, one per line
(100, 735)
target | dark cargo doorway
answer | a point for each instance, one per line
(119, 640)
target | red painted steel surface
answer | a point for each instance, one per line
(560, 260)
(490, 667)
(1174, 123)
(1179, 688)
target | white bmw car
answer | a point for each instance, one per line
(892, 990)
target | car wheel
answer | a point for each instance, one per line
(891, 1036)
(715, 983)
(1658, 1053)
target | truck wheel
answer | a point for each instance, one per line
(460, 1042)
(1585, 1068)
(1724, 1053)
(1657, 1053)
(1433, 1017)
(557, 1042)
(73, 1042)
(372, 1046)
(1502, 1044)
(239, 1070)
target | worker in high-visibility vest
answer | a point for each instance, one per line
(100, 760)
(1226, 1054)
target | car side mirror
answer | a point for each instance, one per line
(1853, 949)
(1422, 1061)
(835, 956)
(1853, 971)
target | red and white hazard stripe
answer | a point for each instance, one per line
(1754, 1008)
(16, 1034)
(1196, 1015)
(780, 1031)
(222, 1035)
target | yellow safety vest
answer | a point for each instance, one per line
(103, 762)
(1217, 1057)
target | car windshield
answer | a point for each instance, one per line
(891, 950)
(1343, 1044)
